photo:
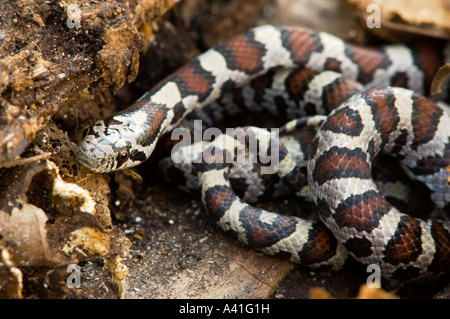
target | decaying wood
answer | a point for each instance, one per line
(46, 59)
(51, 53)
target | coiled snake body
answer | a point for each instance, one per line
(295, 71)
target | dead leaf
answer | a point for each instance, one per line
(25, 235)
(364, 293)
(428, 18)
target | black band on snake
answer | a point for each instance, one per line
(296, 72)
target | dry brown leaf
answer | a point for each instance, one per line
(374, 293)
(429, 18)
(364, 293)
(319, 293)
(24, 233)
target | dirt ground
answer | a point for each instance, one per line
(181, 253)
(148, 239)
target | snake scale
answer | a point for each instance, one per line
(374, 100)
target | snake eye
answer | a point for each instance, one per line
(123, 155)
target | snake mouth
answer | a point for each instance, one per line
(81, 155)
(91, 156)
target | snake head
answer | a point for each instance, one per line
(113, 144)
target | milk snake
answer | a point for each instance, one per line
(296, 71)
